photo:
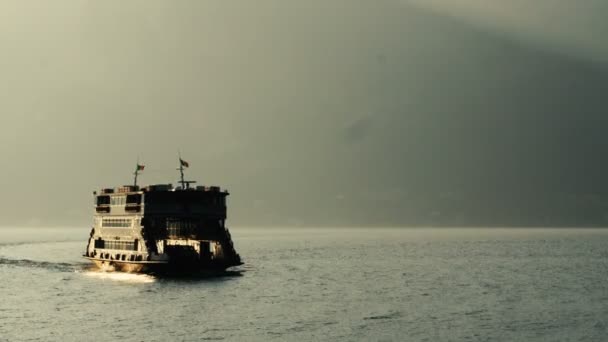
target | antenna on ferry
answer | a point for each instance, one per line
(138, 168)
(182, 164)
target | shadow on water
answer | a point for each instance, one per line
(202, 276)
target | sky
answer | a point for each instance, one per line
(322, 113)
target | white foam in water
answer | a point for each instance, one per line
(121, 276)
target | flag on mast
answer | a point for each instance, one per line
(184, 163)
(140, 167)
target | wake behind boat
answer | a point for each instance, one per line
(161, 229)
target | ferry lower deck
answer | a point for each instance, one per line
(160, 267)
(129, 266)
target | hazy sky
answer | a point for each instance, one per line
(572, 27)
(311, 112)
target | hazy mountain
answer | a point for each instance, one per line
(318, 113)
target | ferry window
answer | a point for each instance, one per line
(181, 227)
(101, 200)
(134, 199)
(118, 200)
(99, 243)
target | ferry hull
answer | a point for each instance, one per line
(158, 267)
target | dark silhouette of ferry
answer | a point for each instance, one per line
(161, 228)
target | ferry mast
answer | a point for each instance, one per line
(138, 168)
(182, 164)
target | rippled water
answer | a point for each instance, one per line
(320, 284)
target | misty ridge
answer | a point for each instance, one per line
(386, 113)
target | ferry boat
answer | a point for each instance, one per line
(161, 229)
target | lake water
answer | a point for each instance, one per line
(320, 285)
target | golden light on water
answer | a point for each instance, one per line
(121, 276)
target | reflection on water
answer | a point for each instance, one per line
(200, 276)
(107, 272)
(120, 276)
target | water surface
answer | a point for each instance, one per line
(320, 284)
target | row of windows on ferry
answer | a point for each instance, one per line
(191, 225)
(174, 226)
(114, 244)
(136, 199)
(118, 200)
(116, 223)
